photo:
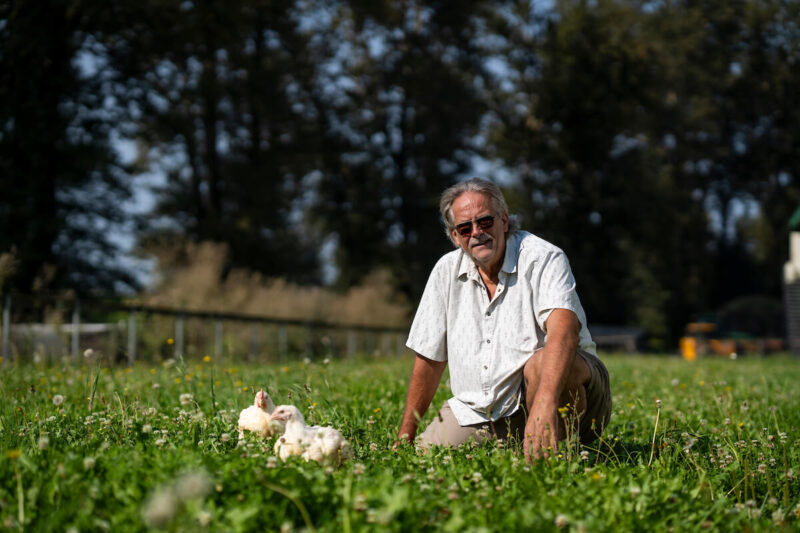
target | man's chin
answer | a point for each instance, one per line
(481, 254)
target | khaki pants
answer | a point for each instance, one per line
(446, 431)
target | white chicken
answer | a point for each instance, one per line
(257, 419)
(322, 444)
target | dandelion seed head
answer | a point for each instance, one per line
(561, 521)
(88, 463)
(58, 400)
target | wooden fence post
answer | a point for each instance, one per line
(351, 343)
(131, 336)
(309, 341)
(253, 341)
(76, 328)
(179, 336)
(218, 338)
(283, 344)
(6, 328)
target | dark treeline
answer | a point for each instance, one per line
(655, 142)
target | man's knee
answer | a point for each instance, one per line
(578, 376)
(532, 370)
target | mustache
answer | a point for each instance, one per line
(483, 240)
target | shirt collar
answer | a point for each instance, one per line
(469, 268)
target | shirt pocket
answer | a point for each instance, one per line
(518, 340)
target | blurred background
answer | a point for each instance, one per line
(284, 158)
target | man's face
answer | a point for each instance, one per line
(487, 247)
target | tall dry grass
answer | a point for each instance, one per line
(189, 277)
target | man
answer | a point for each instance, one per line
(502, 310)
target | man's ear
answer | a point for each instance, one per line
(504, 218)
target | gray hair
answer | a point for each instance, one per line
(480, 186)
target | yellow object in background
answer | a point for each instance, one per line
(688, 347)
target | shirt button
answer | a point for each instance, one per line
(488, 341)
(485, 367)
(488, 313)
(486, 394)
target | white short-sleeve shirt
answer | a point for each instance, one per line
(486, 343)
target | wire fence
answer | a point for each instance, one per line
(57, 328)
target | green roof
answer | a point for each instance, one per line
(794, 220)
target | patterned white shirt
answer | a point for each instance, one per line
(487, 343)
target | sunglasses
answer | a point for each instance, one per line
(484, 223)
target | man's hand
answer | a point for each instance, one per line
(424, 381)
(541, 432)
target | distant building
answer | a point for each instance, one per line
(791, 286)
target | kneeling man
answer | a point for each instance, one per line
(502, 310)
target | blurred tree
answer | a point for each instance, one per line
(61, 182)
(219, 92)
(639, 141)
(580, 128)
(404, 102)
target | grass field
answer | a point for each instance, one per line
(89, 448)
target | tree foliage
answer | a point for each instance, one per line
(61, 181)
(653, 141)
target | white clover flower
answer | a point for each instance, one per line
(156, 386)
(160, 442)
(147, 428)
(44, 442)
(224, 437)
(88, 463)
(358, 469)
(58, 400)
(562, 521)
(204, 518)
(373, 447)
(88, 353)
(160, 509)
(635, 491)
(477, 477)
(326, 361)
(584, 455)
(272, 462)
(192, 486)
(186, 398)
(360, 502)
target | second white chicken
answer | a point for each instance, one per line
(323, 444)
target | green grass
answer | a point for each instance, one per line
(123, 450)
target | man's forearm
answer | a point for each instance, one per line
(424, 381)
(558, 358)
